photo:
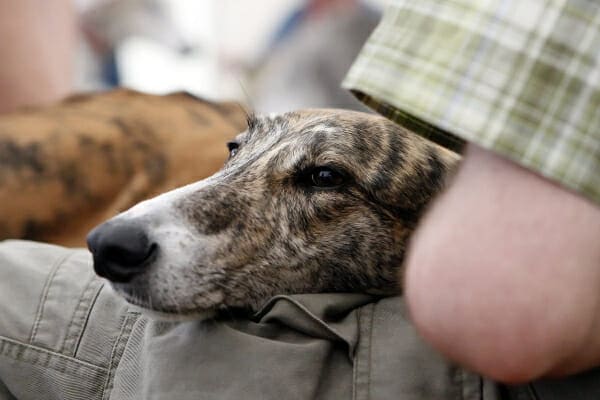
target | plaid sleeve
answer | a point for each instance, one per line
(521, 78)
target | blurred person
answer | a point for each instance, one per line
(37, 50)
(503, 274)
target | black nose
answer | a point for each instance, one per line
(120, 250)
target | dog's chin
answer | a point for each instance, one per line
(162, 315)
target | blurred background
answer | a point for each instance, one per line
(66, 168)
(273, 55)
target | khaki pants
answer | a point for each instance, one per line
(65, 335)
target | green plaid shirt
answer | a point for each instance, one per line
(519, 77)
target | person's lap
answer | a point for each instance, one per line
(65, 335)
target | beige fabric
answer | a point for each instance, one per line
(65, 335)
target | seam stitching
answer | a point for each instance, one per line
(370, 356)
(117, 351)
(79, 315)
(37, 349)
(86, 320)
(355, 363)
(44, 297)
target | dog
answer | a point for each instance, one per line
(308, 201)
(67, 167)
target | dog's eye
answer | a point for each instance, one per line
(326, 177)
(233, 148)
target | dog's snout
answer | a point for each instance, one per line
(121, 250)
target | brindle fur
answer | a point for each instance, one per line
(65, 168)
(259, 228)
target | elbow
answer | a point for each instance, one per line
(508, 335)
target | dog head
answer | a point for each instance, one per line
(309, 201)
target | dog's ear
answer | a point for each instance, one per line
(421, 171)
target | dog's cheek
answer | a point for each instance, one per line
(364, 248)
(214, 209)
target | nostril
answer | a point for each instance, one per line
(121, 250)
(129, 254)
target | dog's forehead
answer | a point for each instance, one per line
(304, 124)
(301, 139)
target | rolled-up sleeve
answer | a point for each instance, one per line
(520, 78)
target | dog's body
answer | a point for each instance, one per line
(68, 167)
(310, 201)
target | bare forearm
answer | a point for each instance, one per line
(36, 51)
(504, 273)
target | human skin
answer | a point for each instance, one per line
(503, 275)
(37, 50)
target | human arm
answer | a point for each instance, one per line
(503, 274)
(37, 50)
